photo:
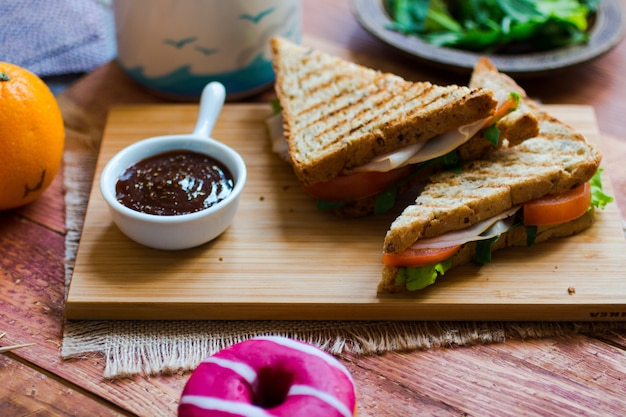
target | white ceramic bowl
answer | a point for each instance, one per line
(182, 231)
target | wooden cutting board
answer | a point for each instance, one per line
(283, 259)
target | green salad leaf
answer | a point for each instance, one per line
(416, 278)
(483, 250)
(599, 198)
(494, 26)
(531, 235)
(492, 134)
(276, 107)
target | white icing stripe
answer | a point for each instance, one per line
(241, 369)
(308, 349)
(322, 396)
(216, 404)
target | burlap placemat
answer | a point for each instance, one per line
(156, 347)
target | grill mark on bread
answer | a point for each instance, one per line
(378, 100)
(375, 100)
(334, 119)
(324, 104)
(321, 104)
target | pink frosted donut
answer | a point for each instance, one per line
(269, 376)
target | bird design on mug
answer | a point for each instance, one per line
(181, 43)
(256, 18)
(206, 51)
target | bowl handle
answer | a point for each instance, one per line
(211, 103)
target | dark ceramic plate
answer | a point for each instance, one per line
(607, 31)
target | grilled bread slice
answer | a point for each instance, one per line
(558, 159)
(338, 115)
(518, 125)
(551, 163)
(514, 127)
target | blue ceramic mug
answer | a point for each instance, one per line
(176, 47)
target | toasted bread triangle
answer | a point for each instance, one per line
(339, 115)
(558, 159)
(553, 162)
(515, 127)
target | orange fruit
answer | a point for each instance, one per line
(32, 136)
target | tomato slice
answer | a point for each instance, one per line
(356, 186)
(556, 209)
(505, 108)
(419, 257)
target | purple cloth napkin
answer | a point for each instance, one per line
(55, 37)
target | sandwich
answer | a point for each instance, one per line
(545, 187)
(355, 135)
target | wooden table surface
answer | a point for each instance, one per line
(582, 374)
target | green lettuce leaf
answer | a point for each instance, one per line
(492, 134)
(599, 198)
(483, 250)
(416, 278)
(531, 235)
(276, 107)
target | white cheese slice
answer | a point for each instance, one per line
(425, 151)
(447, 142)
(486, 229)
(277, 136)
(391, 160)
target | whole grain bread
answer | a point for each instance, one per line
(515, 127)
(558, 159)
(518, 125)
(339, 115)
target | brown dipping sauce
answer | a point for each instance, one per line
(173, 183)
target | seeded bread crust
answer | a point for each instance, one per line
(558, 159)
(514, 237)
(339, 115)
